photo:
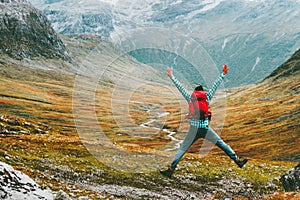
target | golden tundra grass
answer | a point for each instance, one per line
(262, 130)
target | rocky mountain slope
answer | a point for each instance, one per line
(26, 32)
(251, 36)
(290, 68)
(74, 17)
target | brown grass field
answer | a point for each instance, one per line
(261, 123)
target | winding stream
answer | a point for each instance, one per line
(170, 133)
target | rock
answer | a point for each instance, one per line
(15, 185)
(23, 132)
(83, 198)
(5, 131)
(61, 195)
(27, 124)
(191, 196)
(27, 33)
(291, 179)
(229, 170)
(262, 166)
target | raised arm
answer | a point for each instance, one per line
(216, 84)
(179, 86)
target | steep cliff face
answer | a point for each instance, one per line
(26, 32)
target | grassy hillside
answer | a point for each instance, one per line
(39, 136)
(289, 68)
(265, 117)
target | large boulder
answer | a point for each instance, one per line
(291, 179)
(15, 185)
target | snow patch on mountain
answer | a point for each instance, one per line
(210, 4)
(256, 63)
(224, 44)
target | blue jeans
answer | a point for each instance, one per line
(193, 135)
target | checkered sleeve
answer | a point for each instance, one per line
(181, 89)
(214, 87)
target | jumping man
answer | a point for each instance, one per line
(199, 122)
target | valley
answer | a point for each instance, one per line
(101, 151)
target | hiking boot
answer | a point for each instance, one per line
(241, 162)
(168, 173)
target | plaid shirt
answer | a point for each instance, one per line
(187, 96)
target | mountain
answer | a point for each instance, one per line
(266, 115)
(252, 37)
(290, 68)
(78, 17)
(101, 130)
(26, 32)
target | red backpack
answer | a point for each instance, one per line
(198, 106)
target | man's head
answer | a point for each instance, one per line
(199, 88)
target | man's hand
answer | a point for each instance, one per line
(225, 69)
(169, 71)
